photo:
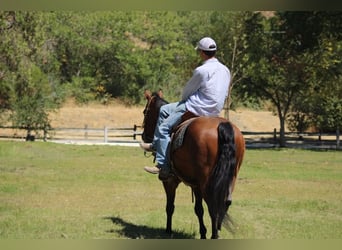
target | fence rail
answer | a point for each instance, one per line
(104, 134)
(109, 134)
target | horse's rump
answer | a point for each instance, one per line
(192, 161)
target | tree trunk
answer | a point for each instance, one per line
(282, 141)
(226, 108)
(29, 137)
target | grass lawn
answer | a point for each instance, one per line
(53, 191)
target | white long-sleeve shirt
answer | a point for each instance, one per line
(205, 93)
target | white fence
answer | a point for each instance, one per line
(105, 134)
(133, 134)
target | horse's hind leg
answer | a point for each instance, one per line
(221, 218)
(214, 216)
(199, 212)
(214, 226)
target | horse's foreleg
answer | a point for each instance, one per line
(170, 190)
(199, 212)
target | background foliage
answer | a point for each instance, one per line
(290, 59)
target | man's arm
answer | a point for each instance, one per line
(192, 85)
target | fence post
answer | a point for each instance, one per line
(275, 136)
(338, 138)
(105, 134)
(134, 132)
(86, 132)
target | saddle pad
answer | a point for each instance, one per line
(178, 134)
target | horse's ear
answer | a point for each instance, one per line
(147, 94)
(160, 93)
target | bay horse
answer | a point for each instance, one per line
(208, 160)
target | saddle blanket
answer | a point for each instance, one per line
(178, 134)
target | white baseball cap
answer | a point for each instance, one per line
(206, 44)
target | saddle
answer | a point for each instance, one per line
(178, 132)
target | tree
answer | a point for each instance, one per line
(297, 54)
(276, 65)
(26, 91)
(33, 100)
(320, 105)
(11, 47)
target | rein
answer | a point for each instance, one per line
(146, 154)
(149, 155)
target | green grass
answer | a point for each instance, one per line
(53, 191)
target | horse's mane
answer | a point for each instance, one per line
(151, 115)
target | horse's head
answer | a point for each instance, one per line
(151, 113)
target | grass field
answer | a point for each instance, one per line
(53, 191)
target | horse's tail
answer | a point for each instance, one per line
(223, 173)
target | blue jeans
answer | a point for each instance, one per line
(170, 115)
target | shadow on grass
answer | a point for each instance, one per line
(132, 231)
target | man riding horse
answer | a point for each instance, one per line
(203, 95)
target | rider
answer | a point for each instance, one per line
(203, 95)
